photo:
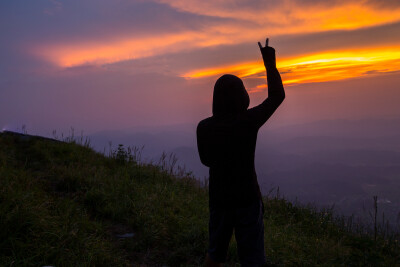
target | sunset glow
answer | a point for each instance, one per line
(292, 16)
(320, 67)
(98, 64)
(110, 52)
(287, 18)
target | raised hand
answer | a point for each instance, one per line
(268, 54)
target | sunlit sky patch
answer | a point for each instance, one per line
(239, 23)
(94, 63)
(319, 67)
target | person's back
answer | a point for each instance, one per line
(226, 144)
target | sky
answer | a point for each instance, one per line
(98, 65)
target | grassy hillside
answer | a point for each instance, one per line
(64, 204)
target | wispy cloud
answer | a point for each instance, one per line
(294, 16)
(229, 22)
(128, 48)
(318, 67)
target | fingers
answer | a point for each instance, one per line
(266, 43)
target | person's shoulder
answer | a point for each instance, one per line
(205, 124)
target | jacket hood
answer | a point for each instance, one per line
(230, 96)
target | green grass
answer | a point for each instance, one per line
(63, 204)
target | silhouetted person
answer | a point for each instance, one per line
(226, 143)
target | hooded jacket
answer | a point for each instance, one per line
(227, 140)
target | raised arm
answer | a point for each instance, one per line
(275, 87)
(276, 94)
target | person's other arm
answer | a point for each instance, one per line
(203, 144)
(276, 93)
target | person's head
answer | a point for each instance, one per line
(230, 96)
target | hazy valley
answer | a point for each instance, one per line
(341, 163)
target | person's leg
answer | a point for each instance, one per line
(249, 234)
(220, 233)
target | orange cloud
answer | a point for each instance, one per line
(318, 67)
(291, 16)
(69, 55)
(104, 52)
(245, 24)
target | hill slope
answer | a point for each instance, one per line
(64, 204)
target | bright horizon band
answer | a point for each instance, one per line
(317, 67)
